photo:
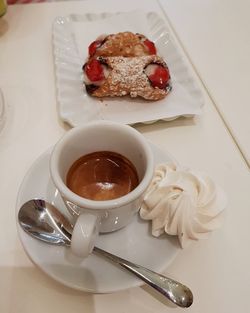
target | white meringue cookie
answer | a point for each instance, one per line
(183, 202)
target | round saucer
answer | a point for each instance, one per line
(94, 274)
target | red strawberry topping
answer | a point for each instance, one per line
(150, 45)
(94, 70)
(94, 46)
(160, 77)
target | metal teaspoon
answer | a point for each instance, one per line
(43, 221)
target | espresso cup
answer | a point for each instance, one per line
(92, 217)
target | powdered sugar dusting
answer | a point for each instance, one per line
(128, 72)
(128, 77)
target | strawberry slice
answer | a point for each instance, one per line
(94, 46)
(94, 70)
(150, 45)
(160, 77)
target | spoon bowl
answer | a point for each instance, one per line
(44, 222)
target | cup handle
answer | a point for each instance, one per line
(84, 235)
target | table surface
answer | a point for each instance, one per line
(216, 269)
(219, 49)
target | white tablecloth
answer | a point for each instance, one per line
(215, 269)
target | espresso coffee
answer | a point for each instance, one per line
(102, 175)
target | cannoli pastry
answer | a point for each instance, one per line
(124, 44)
(147, 77)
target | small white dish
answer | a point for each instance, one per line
(72, 35)
(94, 274)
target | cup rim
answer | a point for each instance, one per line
(104, 204)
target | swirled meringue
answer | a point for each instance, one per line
(183, 202)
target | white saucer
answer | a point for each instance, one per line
(94, 274)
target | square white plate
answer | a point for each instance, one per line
(72, 35)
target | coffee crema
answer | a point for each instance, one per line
(102, 175)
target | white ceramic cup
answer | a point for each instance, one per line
(94, 217)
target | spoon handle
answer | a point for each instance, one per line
(176, 292)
